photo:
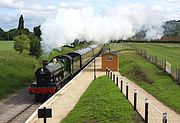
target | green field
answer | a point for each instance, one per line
(170, 52)
(103, 103)
(149, 77)
(6, 46)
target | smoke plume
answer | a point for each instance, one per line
(100, 25)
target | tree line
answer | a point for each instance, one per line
(23, 38)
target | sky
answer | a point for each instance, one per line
(36, 12)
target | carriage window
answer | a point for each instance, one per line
(110, 58)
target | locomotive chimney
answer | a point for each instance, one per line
(45, 62)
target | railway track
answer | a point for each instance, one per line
(20, 116)
(20, 113)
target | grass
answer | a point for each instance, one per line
(16, 70)
(102, 102)
(122, 47)
(151, 78)
(170, 52)
(6, 46)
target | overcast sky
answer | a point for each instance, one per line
(35, 12)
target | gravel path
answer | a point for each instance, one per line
(62, 103)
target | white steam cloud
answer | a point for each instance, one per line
(111, 23)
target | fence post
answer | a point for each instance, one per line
(178, 76)
(162, 64)
(156, 60)
(135, 99)
(106, 71)
(121, 86)
(114, 78)
(164, 117)
(127, 90)
(165, 65)
(146, 110)
(111, 75)
(117, 81)
(145, 54)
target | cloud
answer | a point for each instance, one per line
(37, 11)
(15, 4)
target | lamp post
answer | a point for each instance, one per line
(94, 68)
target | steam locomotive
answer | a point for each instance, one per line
(52, 76)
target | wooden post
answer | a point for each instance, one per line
(135, 99)
(114, 78)
(117, 79)
(156, 60)
(121, 86)
(145, 54)
(178, 76)
(127, 91)
(165, 65)
(111, 75)
(106, 71)
(146, 110)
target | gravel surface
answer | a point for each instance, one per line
(15, 104)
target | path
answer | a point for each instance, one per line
(62, 103)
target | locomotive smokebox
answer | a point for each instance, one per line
(45, 62)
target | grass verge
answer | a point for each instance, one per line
(102, 102)
(151, 78)
(16, 71)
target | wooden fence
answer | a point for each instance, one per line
(143, 106)
(161, 63)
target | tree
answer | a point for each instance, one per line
(2, 34)
(21, 43)
(35, 46)
(21, 23)
(37, 31)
